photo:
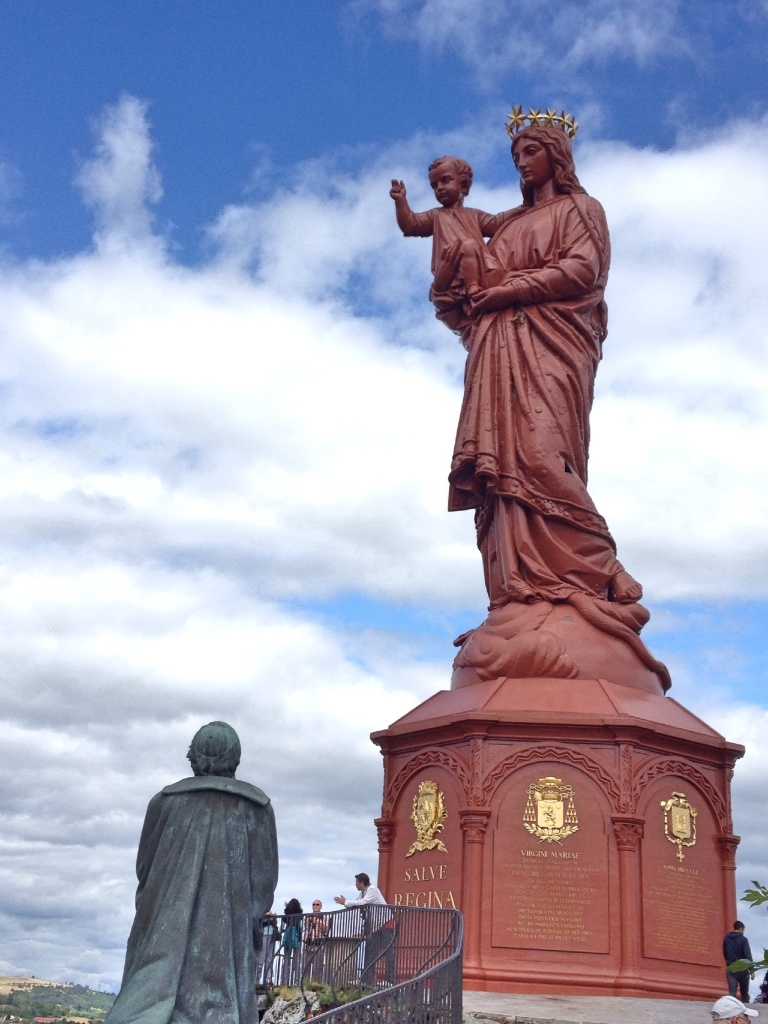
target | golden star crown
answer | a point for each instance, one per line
(518, 120)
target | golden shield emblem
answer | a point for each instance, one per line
(428, 817)
(679, 822)
(549, 810)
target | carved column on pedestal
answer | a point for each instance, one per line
(728, 844)
(385, 828)
(474, 823)
(475, 793)
(629, 832)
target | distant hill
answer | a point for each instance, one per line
(34, 997)
(9, 981)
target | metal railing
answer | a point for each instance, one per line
(381, 963)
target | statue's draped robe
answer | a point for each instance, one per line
(522, 443)
(207, 870)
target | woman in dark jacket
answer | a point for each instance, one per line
(291, 931)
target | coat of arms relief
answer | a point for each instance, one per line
(550, 813)
(428, 817)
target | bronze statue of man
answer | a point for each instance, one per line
(207, 870)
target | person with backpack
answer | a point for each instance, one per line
(291, 942)
(270, 940)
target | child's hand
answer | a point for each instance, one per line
(398, 189)
(445, 271)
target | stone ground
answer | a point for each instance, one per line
(529, 1009)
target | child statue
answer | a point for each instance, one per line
(462, 265)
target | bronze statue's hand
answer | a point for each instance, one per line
(450, 259)
(398, 189)
(451, 254)
(498, 297)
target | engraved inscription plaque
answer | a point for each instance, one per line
(679, 901)
(682, 900)
(552, 899)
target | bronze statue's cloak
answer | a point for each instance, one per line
(523, 437)
(207, 870)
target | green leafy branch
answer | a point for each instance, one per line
(749, 965)
(755, 897)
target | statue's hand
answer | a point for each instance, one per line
(498, 297)
(398, 189)
(450, 258)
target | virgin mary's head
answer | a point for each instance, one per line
(558, 147)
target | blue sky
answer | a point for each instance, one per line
(228, 410)
(240, 92)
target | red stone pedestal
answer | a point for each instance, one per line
(603, 881)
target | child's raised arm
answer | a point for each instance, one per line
(402, 209)
(410, 223)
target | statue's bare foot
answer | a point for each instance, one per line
(625, 589)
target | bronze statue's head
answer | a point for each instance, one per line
(461, 168)
(215, 750)
(558, 146)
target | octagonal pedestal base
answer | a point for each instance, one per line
(583, 828)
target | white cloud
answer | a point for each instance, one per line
(747, 724)
(564, 36)
(120, 180)
(681, 412)
(192, 457)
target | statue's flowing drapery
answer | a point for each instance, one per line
(522, 442)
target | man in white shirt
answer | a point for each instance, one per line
(370, 893)
(379, 930)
